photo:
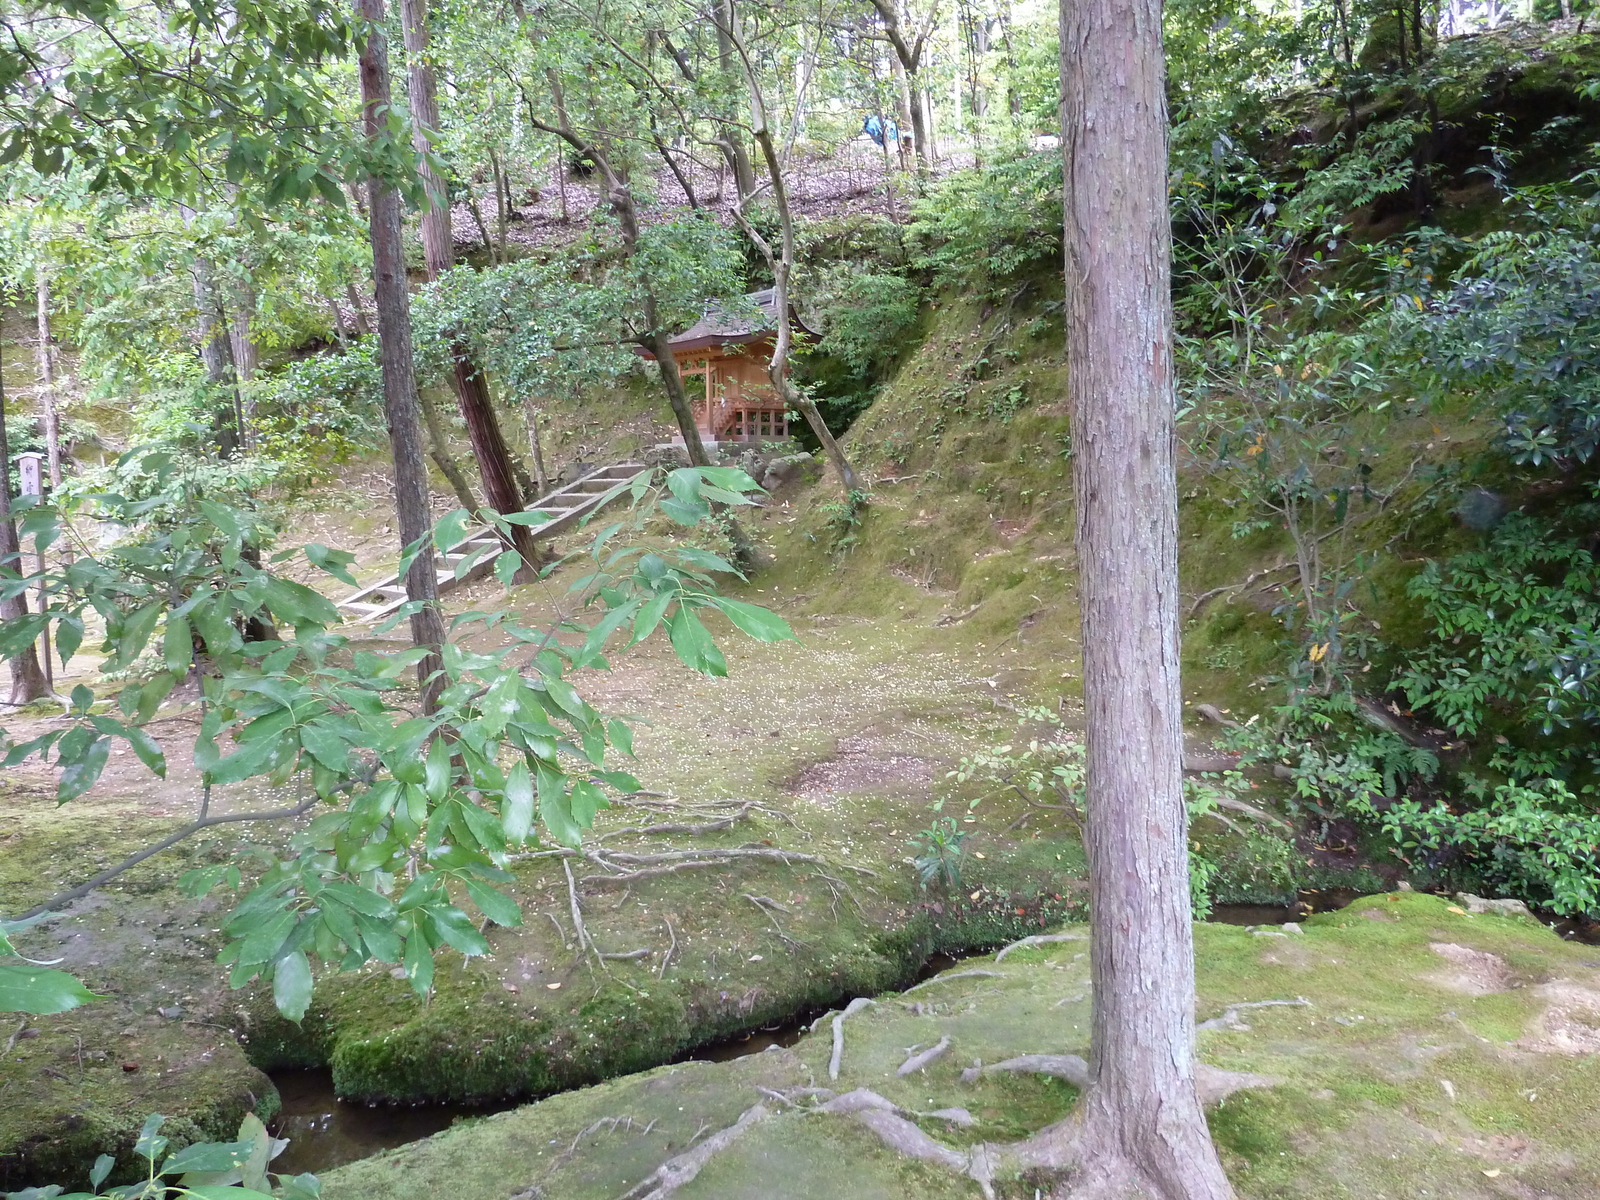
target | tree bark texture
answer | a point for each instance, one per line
(438, 242)
(908, 61)
(400, 403)
(27, 677)
(1142, 1124)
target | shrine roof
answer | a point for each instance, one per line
(724, 325)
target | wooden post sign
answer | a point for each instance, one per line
(31, 474)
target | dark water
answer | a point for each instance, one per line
(326, 1132)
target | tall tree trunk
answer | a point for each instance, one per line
(467, 378)
(536, 449)
(399, 370)
(246, 358)
(27, 678)
(439, 451)
(48, 411)
(1142, 1124)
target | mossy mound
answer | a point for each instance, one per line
(82, 1087)
(1435, 1052)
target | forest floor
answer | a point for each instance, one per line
(829, 749)
(1400, 1048)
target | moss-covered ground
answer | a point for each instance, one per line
(1397, 1077)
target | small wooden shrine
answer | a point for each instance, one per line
(730, 352)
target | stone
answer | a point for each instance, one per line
(171, 1012)
(1505, 907)
(791, 468)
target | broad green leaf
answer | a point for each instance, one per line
(506, 567)
(135, 633)
(334, 562)
(207, 1156)
(621, 737)
(100, 1170)
(555, 810)
(494, 904)
(291, 990)
(693, 645)
(359, 899)
(177, 644)
(457, 930)
(30, 989)
(759, 623)
(419, 964)
(451, 528)
(79, 774)
(516, 815)
(499, 704)
(150, 1145)
(69, 636)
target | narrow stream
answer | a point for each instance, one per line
(326, 1132)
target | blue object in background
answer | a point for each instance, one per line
(874, 129)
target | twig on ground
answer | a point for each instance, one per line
(579, 930)
(766, 904)
(560, 932)
(837, 1056)
(1040, 939)
(917, 1061)
(661, 971)
(627, 955)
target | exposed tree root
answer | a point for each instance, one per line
(1230, 1015)
(975, 973)
(1058, 1066)
(917, 1061)
(837, 1056)
(1041, 939)
(767, 905)
(677, 1171)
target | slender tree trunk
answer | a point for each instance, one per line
(341, 332)
(466, 378)
(399, 371)
(502, 203)
(48, 411)
(358, 310)
(246, 359)
(27, 678)
(439, 451)
(536, 449)
(738, 154)
(656, 338)
(1142, 1124)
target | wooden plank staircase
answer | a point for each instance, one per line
(566, 506)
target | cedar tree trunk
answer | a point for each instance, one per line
(399, 370)
(27, 677)
(438, 243)
(1142, 1124)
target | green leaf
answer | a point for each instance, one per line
(69, 636)
(291, 990)
(135, 633)
(419, 964)
(360, 900)
(149, 1144)
(79, 774)
(437, 778)
(452, 527)
(211, 1191)
(621, 737)
(100, 1170)
(693, 645)
(334, 562)
(758, 622)
(30, 989)
(177, 645)
(499, 705)
(555, 810)
(322, 741)
(650, 615)
(457, 929)
(516, 813)
(506, 567)
(208, 1156)
(494, 904)
(684, 512)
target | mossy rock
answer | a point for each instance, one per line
(82, 1088)
(1419, 1049)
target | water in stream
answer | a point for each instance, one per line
(325, 1132)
